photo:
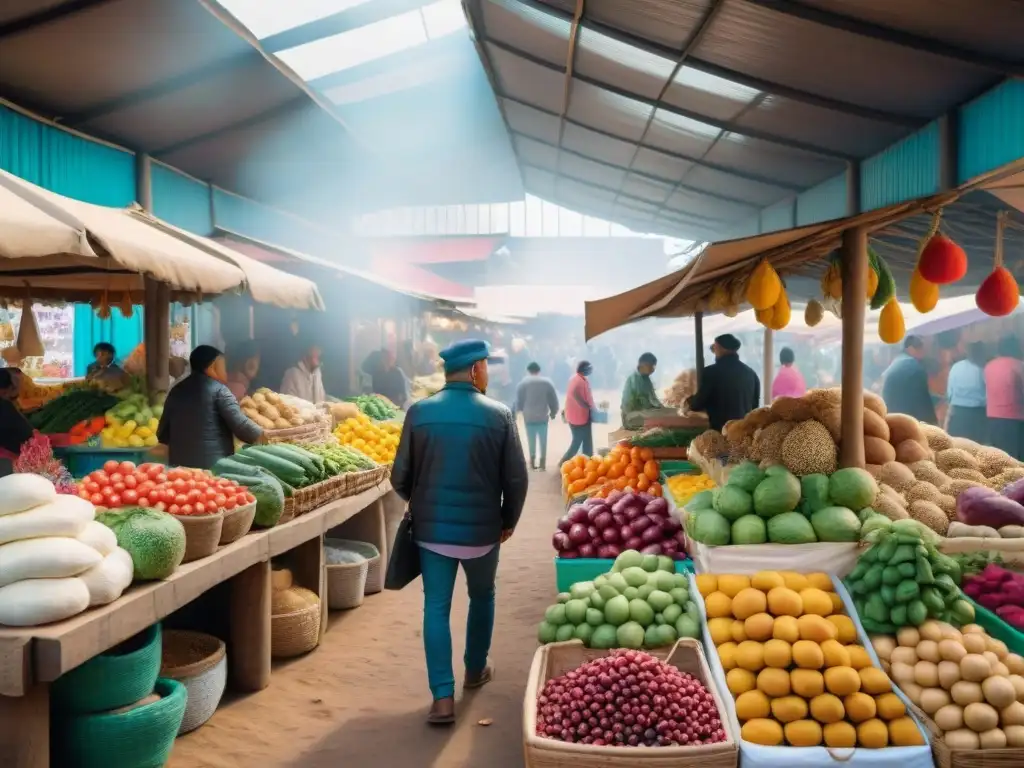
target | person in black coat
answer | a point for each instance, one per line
(201, 417)
(905, 388)
(729, 389)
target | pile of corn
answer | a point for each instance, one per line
(684, 487)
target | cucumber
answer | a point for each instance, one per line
(302, 458)
(283, 469)
(231, 465)
(263, 476)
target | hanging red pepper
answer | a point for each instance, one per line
(942, 261)
(999, 294)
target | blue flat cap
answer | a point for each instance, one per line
(463, 354)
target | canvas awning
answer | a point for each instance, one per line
(798, 254)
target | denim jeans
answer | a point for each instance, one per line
(582, 439)
(537, 433)
(438, 586)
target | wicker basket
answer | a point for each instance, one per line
(295, 633)
(306, 434)
(364, 481)
(374, 562)
(966, 758)
(202, 534)
(139, 738)
(121, 676)
(558, 658)
(199, 662)
(346, 585)
(307, 499)
(237, 523)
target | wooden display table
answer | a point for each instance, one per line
(31, 658)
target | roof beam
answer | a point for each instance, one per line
(800, 10)
(343, 21)
(570, 64)
(710, 14)
(269, 114)
(41, 18)
(722, 125)
(441, 49)
(165, 87)
(784, 185)
(642, 174)
(740, 78)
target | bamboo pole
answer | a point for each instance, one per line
(854, 255)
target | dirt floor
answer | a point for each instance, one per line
(361, 697)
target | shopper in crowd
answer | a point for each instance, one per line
(201, 417)
(243, 366)
(1004, 397)
(537, 400)
(788, 381)
(304, 380)
(729, 389)
(965, 392)
(14, 428)
(579, 412)
(389, 380)
(104, 370)
(460, 467)
(638, 394)
(905, 383)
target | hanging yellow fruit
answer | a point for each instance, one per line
(891, 326)
(813, 313)
(781, 313)
(872, 282)
(832, 281)
(764, 316)
(719, 298)
(924, 295)
(764, 287)
(731, 311)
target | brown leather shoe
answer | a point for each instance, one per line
(442, 712)
(480, 680)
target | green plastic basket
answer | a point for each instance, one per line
(671, 467)
(112, 679)
(998, 628)
(140, 738)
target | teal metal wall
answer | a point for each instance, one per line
(780, 216)
(260, 222)
(82, 169)
(824, 202)
(181, 200)
(991, 131)
(906, 170)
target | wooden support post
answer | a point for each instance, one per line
(767, 367)
(698, 339)
(249, 644)
(367, 526)
(25, 729)
(854, 255)
(307, 564)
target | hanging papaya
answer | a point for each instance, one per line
(923, 294)
(764, 316)
(891, 326)
(886, 288)
(764, 287)
(832, 281)
(814, 313)
(781, 313)
(872, 281)
(942, 261)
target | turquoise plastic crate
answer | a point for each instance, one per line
(568, 572)
(672, 467)
(81, 460)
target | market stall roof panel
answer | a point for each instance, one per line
(685, 117)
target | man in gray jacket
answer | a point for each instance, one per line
(537, 400)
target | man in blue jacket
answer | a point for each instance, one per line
(461, 468)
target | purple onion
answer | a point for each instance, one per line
(603, 520)
(633, 542)
(578, 534)
(613, 497)
(646, 497)
(640, 524)
(605, 552)
(569, 554)
(680, 537)
(578, 513)
(657, 506)
(593, 532)
(587, 550)
(611, 535)
(593, 501)
(651, 549)
(564, 523)
(560, 541)
(652, 535)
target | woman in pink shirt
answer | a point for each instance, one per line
(1004, 397)
(579, 407)
(788, 382)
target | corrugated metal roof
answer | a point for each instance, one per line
(686, 116)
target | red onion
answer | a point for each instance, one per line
(680, 537)
(564, 523)
(611, 535)
(587, 550)
(619, 507)
(593, 532)
(628, 698)
(652, 535)
(641, 524)
(569, 554)
(593, 501)
(634, 511)
(645, 497)
(651, 549)
(657, 506)
(603, 520)
(614, 496)
(625, 533)
(578, 534)
(578, 513)
(633, 542)
(560, 541)
(607, 552)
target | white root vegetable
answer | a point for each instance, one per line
(958, 530)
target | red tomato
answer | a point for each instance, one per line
(110, 466)
(161, 478)
(91, 486)
(211, 494)
(220, 500)
(146, 486)
(200, 508)
(97, 500)
(249, 498)
(130, 481)
(143, 502)
(130, 496)
(230, 503)
(119, 487)
(180, 498)
(107, 491)
(186, 509)
(101, 479)
(194, 495)
(114, 500)
(174, 509)
(127, 467)
(177, 484)
(116, 477)
(84, 494)
(190, 483)
(161, 506)
(154, 471)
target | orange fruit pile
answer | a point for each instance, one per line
(624, 468)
